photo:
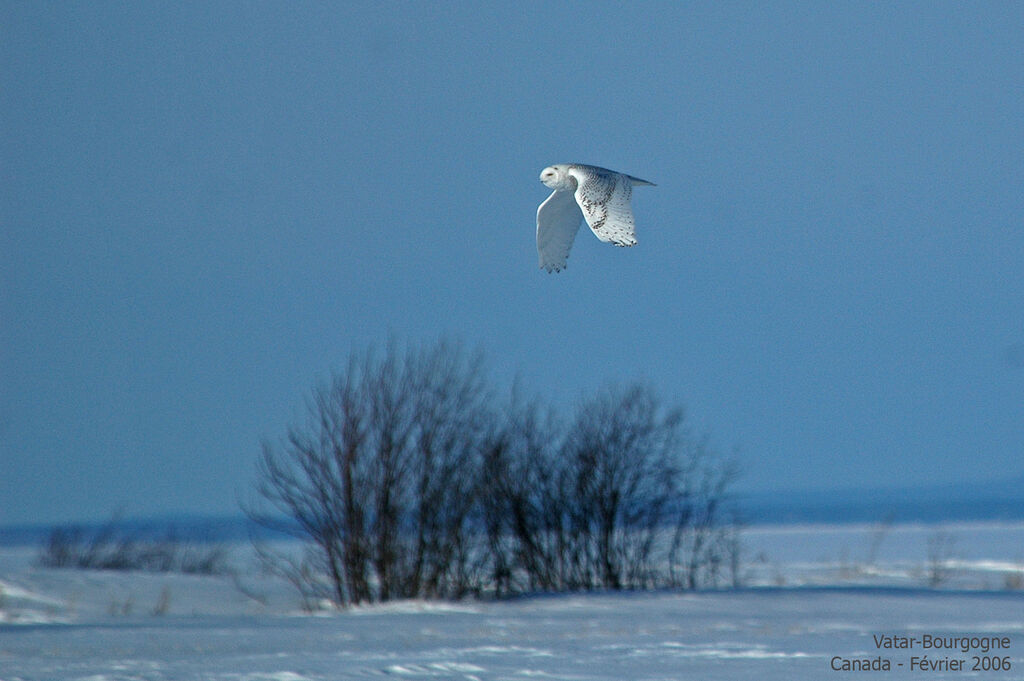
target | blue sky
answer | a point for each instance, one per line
(205, 207)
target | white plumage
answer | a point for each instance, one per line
(598, 195)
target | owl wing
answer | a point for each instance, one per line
(558, 220)
(603, 196)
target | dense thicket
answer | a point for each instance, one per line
(411, 479)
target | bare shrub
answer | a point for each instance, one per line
(407, 482)
(163, 603)
(941, 551)
(112, 548)
(382, 477)
(620, 497)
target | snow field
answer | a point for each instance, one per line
(816, 597)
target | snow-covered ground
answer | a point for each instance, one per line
(975, 555)
(814, 598)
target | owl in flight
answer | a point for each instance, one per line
(598, 195)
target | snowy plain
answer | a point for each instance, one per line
(812, 598)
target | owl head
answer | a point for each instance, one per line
(558, 178)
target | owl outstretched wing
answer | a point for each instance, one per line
(604, 196)
(558, 220)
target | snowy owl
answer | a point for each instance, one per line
(599, 195)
